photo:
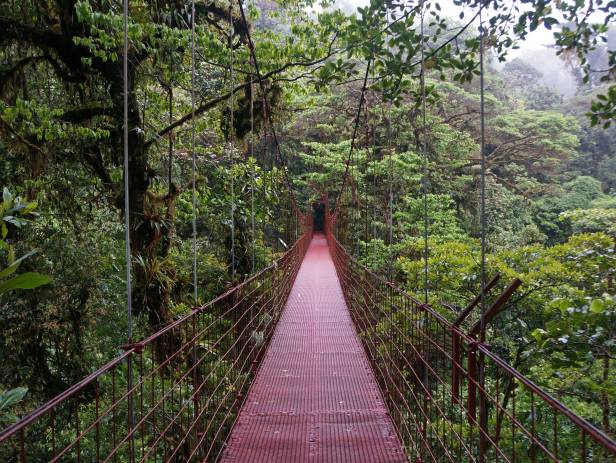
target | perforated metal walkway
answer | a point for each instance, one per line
(315, 398)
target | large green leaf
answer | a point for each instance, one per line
(11, 397)
(7, 197)
(7, 400)
(27, 280)
(15, 265)
(597, 306)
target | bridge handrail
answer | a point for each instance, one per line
(136, 347)
(585, 426)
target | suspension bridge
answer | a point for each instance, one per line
(311, 359)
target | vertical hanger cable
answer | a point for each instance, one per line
(366, 184)
(425, 157)
(483, 175)
(127, 248)
(192, 147)
(252, 172)
(483, 441)
(170, 136)
(230, 140)
(347, 167)
(390, 205)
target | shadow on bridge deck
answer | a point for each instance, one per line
(315, 398)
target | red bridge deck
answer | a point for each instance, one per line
(315, 398)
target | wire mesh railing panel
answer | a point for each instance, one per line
(171, 397)
(451, 398)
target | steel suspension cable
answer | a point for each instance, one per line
(170, 137)
(252, 172)
(192, 147)
(370, 156)
(354, 135)
(390, 225)
(483, 175)
(425, 155)
(390, 206)
(374, 202)
(482, 327)
(426, 378)
(127, 248)
(366, 205)
(193, 167)
(230, 139)
(355, 195)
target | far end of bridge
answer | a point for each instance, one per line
(315, 397)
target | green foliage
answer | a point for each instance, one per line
(577, 195)
(453, 269)
(541, 142)
(563, 318)
(443, 225)
(594, 219)
(603, 110)
(510, 218)
(14, 213)
(28, 280)
(8, 399)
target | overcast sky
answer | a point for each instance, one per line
(534, 50)
(537, 39)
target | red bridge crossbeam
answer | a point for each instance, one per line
(171, 397)
(428, 370)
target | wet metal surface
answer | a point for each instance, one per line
(315, 398)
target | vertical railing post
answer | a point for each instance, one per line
(141, 401)
(483, 412)
(196, 381)
(455, 369)
(22, 446)
(472, 385)
(131, 417)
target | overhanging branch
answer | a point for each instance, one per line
(209, 104)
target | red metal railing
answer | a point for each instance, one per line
(171, 397)
(428, 370)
